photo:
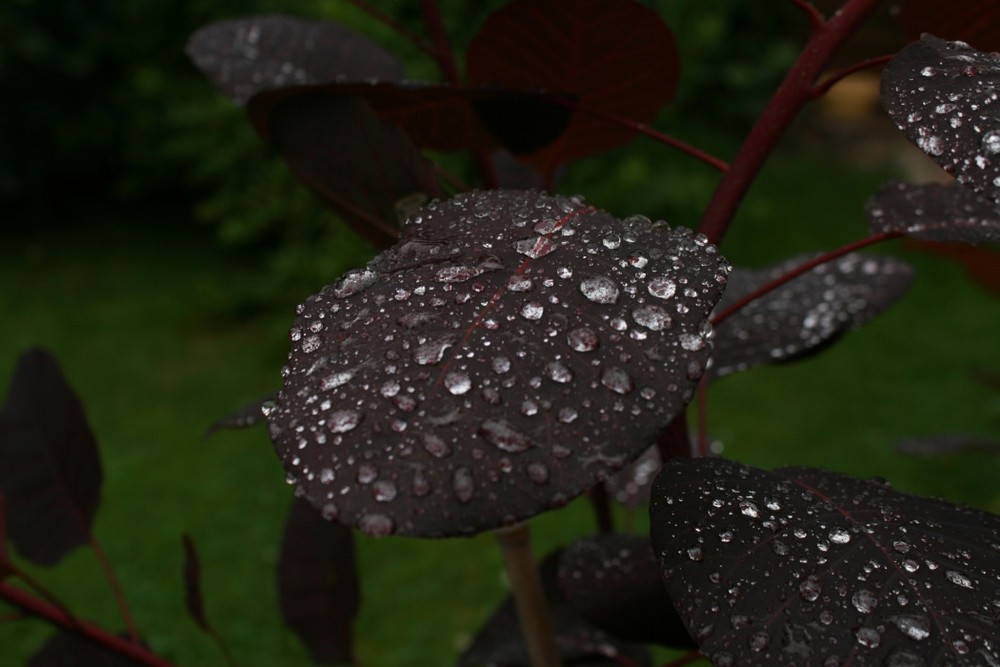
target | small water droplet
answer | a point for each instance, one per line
(691, 342)
(617, 380)
(652, 317)
(463, 485)
(914, 626)
(520, 283)
(600, 289)
(864, 600)
(759, 641)
(662, 288)
(457, 383)
(501, 434)
(353, 282)
(434, 445)
(432, 352)
(501, 364)
(376, 525)
(839, 536)
(868, 637)
(991, 142)
(810, 588)
(558, 372)
(384, 491)
(695, 553)
(538, 473)
(310, 344)
(583, 339)
(611, 241)
(341, 421)
(749, 508)
(567, 415)
(726, 536)
(330, 511)
(779, 548)
(334, 380)
(532, 311)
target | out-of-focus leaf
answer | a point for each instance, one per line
(50, 468)
(942, 96)
(510, 352)
(974, 21)
(981, 263)
(193, 599)
(613, 56)
(499, 642)
(952, 443)
(934, 212)
(318, 584)
(249, 415)
(245, 56)
(63, 649)
(361, 166)
(805, 314)
(614, 582)
(810, 568)
(631, 486)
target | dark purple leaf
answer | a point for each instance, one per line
(247, 55)
(250, 414)
(805, 314)
(805, 567)
(934, 212)
(364, 168)
(631, 486)
(50, 468)
(317, 583)
(953, 443)
(511, 351)
(63, 649)
(942, 96)
(499, 642)
(193, 599)
(613, 56)
(614, 582)
(974, 21)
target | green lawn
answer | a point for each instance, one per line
(161, 333)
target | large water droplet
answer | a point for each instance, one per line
(558, 372)
(457, 382)
(651, 317)
(458, 273)
(536, 246)
(501, 434)
(432, 352)
(532, 310)
(583, 339)
(434, 445)
(600, 289)
(868, 637)
(914, 626)
(991, 142)
(662, 288)
(463, 485)
(749, 508)
(334, 380)
(341, 421)
(384, 491)
(864, 600)
(958, 579)
(839, 536)
(617, 380)
(519, 283)
(501, 364)
(353, 282)
(310, 344)
(810, 588)
(691, 342)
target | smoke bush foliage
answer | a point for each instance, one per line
(511, 349)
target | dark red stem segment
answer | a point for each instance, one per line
(795, 90)
(821, 89)
(815, 17)
(60, 618)
(396, 26)
(600, 501)
(802, 268)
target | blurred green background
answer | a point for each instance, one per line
(158, 248)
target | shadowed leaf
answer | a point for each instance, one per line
(50, 468)
(934, 212)
(974, 21)
(631, 486)
(806, 567)
(247, 55)
(613, 56)
(499, 642)
(363, 167)
(614, 582)
(250, 414)
(193, 599)
(943, 445)
(63, 649)
(511, 351)
(941, 95)
(317, 583)
(805, 314)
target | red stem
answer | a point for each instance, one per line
(116, 588)
(802, 268)
(821, 89)
(702, 408)
(63, 619)
(795, 90)
(396, 26)
(815, 17)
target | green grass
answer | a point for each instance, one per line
(161, 333)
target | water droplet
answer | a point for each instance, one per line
(931, 144)
(662, 288)
(779, 548)
(353, 282)
(501, 434)
(739, 621)
(749, 508)
(868, 637)
(759, 641)
(839, 536)
(536, 246)
(376, 525)
(330, 511)
(651, 317)
(914, 626)
(384, 491)
(434, 445)
(327, 475)
(457, 383)
(810, 588)
(267, 408)
(901, 547)
(583, 339)
(501, 364)
(910, 565)
(538, 473)
(726, 536)
(414, 319)
(864, 600)
(617, 380)
(991, 142)
(567, 415)
(695, 553)
(600, 289)
(611, 241)
(519, 283)
(310, 344)
(341, 421)
(463, 485)
(421, 485)
(432, 352)
(529, 408)
(691, 342)
(558, 372)
(532, 310)
(389, 389)
(958, 579)
(334, 380)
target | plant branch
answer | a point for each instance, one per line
(63, 619)
(803, 268)
(821, 89)
(794, 91)
(815, 17)
(116, 588)
(396, 26)
(600, 501)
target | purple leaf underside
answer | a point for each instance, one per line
(805, 314)
(942, 95)
(806, 567)
(934, 212)
(511, 351)
(244, 56)
(50, 468)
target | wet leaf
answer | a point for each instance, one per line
(63, 649)
(511, 351)
(942, 96)
(631, 486)
(806, 567)
(613, 56)
(318, 584)
(805, 314)
(951, 443)
(248, 55)
(499, 642)
(614, 582)
(364, 168)
(249, 415)
(50, 468)
(974, 21)
(934, 212)
(193, 599)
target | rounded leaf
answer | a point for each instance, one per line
(934, 212)
(512, 350)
